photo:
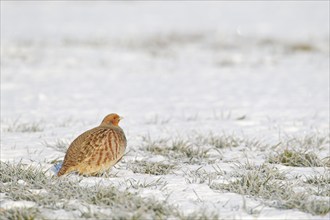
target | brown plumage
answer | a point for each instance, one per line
(96, 150)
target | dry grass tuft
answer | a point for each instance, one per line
(153, 168)
(296, 159)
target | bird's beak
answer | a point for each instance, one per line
(121, 117)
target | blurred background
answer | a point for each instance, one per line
(175, 65)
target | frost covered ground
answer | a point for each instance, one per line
(226, 108)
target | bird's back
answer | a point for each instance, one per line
(95, 150)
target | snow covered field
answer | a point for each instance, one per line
(226, 108)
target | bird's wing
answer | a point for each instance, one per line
(83, 146)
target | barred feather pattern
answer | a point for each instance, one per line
(95, 150)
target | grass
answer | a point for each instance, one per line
(268, 183)
(10, 173)
(89, 214)
(153, 168)
(319, 185)
(201, 215)
(178, 149)
(319, 180)
(301, 47)
(200, 176)
(218, 141)
(20, 214)
(59, 145)
(225, 141)
(289, 46)
(24, 127)
(137, 184)
(58, 193)
(158, 120)
(161, 45)
(314, 141)
(296, 159)
(158, 45)
(326, 161)
(187, 159)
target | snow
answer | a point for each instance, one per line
(10, 204)
(171, 69)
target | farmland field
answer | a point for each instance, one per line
(225, 106)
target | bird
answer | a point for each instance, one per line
(97, 149)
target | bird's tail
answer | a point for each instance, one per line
(62, 171)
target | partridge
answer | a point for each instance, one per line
(96, 150)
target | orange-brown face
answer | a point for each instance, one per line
(112, 119)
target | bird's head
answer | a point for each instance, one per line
(111, 119)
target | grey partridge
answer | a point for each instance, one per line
(96, 150)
